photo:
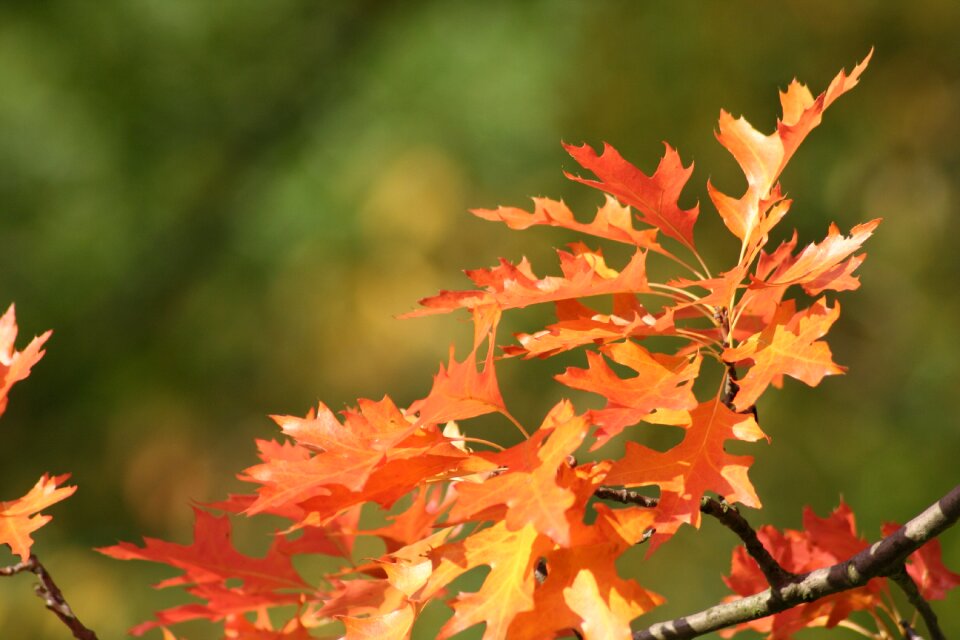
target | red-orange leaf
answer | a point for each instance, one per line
(823, 542)
(19, 518)
(662, 382)
(460, 391)
(583, 591)
(514, 286)
(530, 491)
(507, 589)
(698, 464)
(763, 157)
(15, 365)
(654, 197)
(211, 558)
(791, 346)
(613, 220)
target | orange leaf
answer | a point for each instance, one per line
(613, 220)
(19, 518)
(583, 591)
(763, 157)
(654, 197)
(662, 382)
(508, 588)
(530, 491)
(395, 625)
(15, 365)
(698, 464)
(789, 345)
(460, 391)
(515, 286)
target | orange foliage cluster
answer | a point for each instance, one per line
(528, 513)
(515, 509)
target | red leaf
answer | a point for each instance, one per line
(654, 197)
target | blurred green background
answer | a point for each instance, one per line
(220, 206)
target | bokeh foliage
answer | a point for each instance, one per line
(219, 206)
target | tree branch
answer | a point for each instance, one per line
(51, 595)
(728, 516)
(909, 587)
(880, 559)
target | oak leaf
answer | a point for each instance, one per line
(700, 463)
(654, 197)
(789, 345)
(21, 517)
(662, 383)
(15, 365)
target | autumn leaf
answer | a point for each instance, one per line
(613, 221)
(15, 365)
(395, 625)
(529, 491)
(515, 286)
(654, 197)
(20, 518)
(583, 591)
(460, 391)
(508, 588)
(763, 157)
(700, 463)
(662, 383)
(791, 346)
(212, 558)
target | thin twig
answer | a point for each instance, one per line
(878, 560)
(51, 595)
(908, 632)
(727, 515)
(625, 496)
(909, 587)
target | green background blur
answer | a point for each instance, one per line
(220, 206)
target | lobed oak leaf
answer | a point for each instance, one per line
(763, 157)
(613, 221)
(515, 286)
(212, 559)
(789, 345)
(460, 391)
(700, 463)
(530, 492)
(662, 382)
(823, 266)
(583, 591)
(21, 517)
(579, 325)
(654, 197)
(507, 590)
(15, 365)
(219, 602)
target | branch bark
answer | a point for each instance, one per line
(880, 559)
(51, 595)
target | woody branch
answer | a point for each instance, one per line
(51, 595)
(883, 558)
